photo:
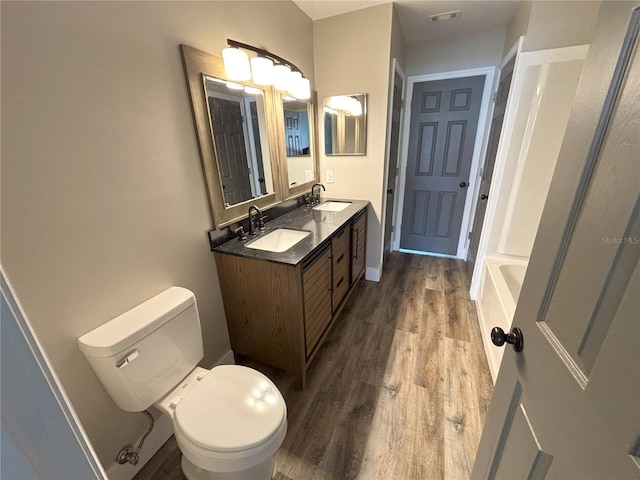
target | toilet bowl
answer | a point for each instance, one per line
(228, 421)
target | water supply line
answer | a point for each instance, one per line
(130, 455)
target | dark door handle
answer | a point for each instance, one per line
(484, 197)
(390, 191)
(463, 184)
(515, 338)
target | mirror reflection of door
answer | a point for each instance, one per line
(238, 130)
(228, 136)
(292, 133)
(298, 135)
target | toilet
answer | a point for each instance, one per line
(228, 421)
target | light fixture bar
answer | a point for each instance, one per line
(265, 69)
(263, 52)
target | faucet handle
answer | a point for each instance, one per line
(240, 232)
(261, 225)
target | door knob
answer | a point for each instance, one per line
(484, 197)
(515, 338)
(464, 184)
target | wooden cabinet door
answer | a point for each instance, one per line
(358, 247)
(317, 286)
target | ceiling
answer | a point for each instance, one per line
(477, 15)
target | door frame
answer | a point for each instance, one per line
(479, 149)
(395, 69)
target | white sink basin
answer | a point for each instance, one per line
(332, 206)
(279, 240)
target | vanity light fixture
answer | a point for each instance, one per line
(264, 69)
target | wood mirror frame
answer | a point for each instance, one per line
(290, 192)
(197, 64)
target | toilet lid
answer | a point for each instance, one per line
(231, 408)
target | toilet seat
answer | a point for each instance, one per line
(234, 417)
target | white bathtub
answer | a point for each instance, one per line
(497, 301)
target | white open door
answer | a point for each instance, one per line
(568, 404)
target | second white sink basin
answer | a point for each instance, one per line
(279, 240)
(332, 206)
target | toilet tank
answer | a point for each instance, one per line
(142, 354)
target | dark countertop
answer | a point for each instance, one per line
(321, 223)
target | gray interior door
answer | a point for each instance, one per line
(392, 169)
(444, 120)
(228, 136)
(568, 405)
(492, 149)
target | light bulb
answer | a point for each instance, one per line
(236, 64)
(304, 89)
(262, 70)
(294, 78)
(281, 77)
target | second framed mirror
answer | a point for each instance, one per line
(345, 124)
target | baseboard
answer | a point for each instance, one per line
(162, 431)
(373, 274)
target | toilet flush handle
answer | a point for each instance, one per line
(129, 357)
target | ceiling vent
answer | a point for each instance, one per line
(445, 16)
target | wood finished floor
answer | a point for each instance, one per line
(399, 391)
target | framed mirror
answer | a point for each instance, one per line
(345, 124)
(298, 127)
(238, 136)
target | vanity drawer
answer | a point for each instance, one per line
(340, 280)
(340, 243)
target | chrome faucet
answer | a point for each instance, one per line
(252, 221)
(315, 199)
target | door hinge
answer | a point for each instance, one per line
(469, 236)
(494, 96)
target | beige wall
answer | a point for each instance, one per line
(103, 198)
(483, 49)
(552, 24)
(560, 24)
(351, 54)
(518, 26)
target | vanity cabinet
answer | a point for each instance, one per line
(279, 313)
